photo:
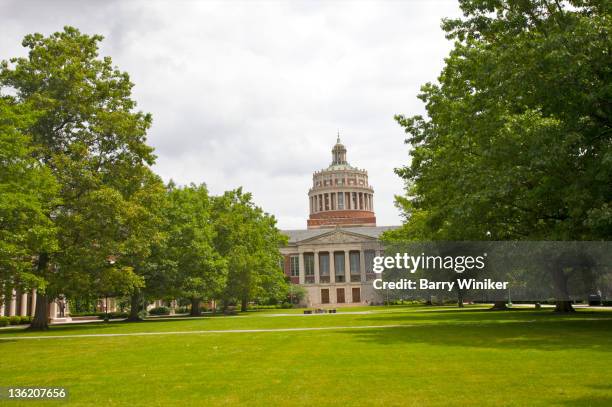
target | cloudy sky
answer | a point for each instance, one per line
(252, 93)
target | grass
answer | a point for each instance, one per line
(439, 356)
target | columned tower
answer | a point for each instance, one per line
(340, 194)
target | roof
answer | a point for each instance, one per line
(298, 235)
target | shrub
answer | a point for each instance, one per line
(113, 315)
(15, 320)
(4, 321)
(182, 310)
(160, 311)
(25, 319)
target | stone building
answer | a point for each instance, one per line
(333, 257)
(18, 303)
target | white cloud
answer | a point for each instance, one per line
(251, 93)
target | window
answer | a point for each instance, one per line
(324, 264)
(341, 200)
(368, 256)
(354, 262)
(309, 264)
(339, 266)
(295, 266)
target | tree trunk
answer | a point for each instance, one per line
(41, 313)
(499, 306)
(243, 304)
(564, 306)
(40, 321)
(459, 299)
(563, 303)
(134, 308)
(195, 307)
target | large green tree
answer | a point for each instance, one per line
(89, 135)
(517, 141)
(247, 237)
(28, 191)
(199, 271)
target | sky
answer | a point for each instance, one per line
(253, 94)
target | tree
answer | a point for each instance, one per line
(28, 191)
(517, 142)
(87, 133)
(200, 271)
(248, 239)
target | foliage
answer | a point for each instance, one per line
(517, 142)
(159, 311)
(200, 271)
(248, 239)
(28, 191)
(88, 135)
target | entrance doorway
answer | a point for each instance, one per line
(356, 294)
(340, 295)
(324, 296)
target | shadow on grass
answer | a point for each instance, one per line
(458, 316)
(544, 334)
(98, 326)
(591, 401)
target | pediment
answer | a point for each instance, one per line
(338, 236)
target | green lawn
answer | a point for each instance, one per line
(438, 356)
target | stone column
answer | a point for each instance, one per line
(34, 295)
(2, 307)
(362, 268)
(24, 305)
(13, 303)
(53, 310)
(332, 271)
(301, 266)
(316, 267)
(347, 267)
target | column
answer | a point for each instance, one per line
(24, 305)
(53, 310)
(13, 303)
(316, 266)
(2, 307)
(301, 266)
(347, 267)
(362, 268)
(332, 270)
(34, 302)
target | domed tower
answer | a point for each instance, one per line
(340, 194)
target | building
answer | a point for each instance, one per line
(23, 303)
(333, 257)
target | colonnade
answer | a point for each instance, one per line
(332, 201)
(330, 276)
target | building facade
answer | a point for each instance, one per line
(23, 303)
(333, 258)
